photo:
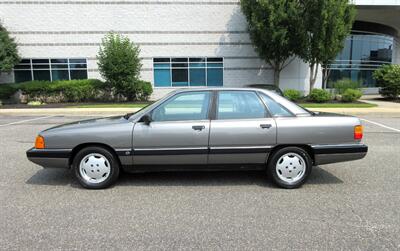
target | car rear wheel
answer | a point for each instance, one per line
(96, 167)
(290, 167)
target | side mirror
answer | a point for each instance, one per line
(146, 119)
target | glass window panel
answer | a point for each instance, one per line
(40, 61)
(187, 106)
(198, 77)
(22, 76)
(197, 65)
(214, 59)
(179, 59)
(239, 105)
(77, 66)
(22, 66)
(214, 77)
(59, 75)
(78, 74)
(274, 107)
(25, 61)
(197, 59)
(214, 65)
(161, 60)
(158, 65)
(180, 77)
(59, 61)
(77, 61)
(59, 66)
(41, 66)
(179, 65)
(41, 75)
(162, 77)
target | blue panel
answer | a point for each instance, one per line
(161, 65)
(215, 77)
(180, 84)
(162, 77)
(198, 77)
(214, 65)
(197, 65)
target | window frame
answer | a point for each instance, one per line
(267, 113)
(188, 68)
(209, 112)
(50, 68)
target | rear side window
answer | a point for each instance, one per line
(239, 105)
(274, 107)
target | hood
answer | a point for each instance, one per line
(88, 123)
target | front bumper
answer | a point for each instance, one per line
(49, 158)
(327, 154)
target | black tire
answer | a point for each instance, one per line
(112, 159)
(273, 172)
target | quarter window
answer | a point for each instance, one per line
(50, 69)
(171, 72)
(239, 105)
(274, 107)
(186, 106)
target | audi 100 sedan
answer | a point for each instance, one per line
(203, 129)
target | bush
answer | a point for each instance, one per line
(293, 95)
(6, 91)
(351, 95)
(342, 85)
(119, 64)
(388, 78)
(319, 96)
(143, 90)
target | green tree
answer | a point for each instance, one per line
(388, 78)
(327, 23)
(119, 64)
(274, 30)
(8, 51)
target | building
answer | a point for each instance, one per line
(183, 42)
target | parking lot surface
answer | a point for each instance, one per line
(353, 205)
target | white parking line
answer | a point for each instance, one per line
(381, 125)
(27, 120)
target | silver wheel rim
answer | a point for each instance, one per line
(94, 168)
(291, 167)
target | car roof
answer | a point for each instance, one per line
(221, 89)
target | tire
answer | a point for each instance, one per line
(96, 167)
(289, 167)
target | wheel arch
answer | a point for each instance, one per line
(305, 147)
(79, 147)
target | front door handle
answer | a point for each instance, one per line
(265, 126)
(198, 127)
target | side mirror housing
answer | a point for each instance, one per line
(146, 119)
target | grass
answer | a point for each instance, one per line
(338, 105)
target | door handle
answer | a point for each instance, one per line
(265, 126)
(198, 127)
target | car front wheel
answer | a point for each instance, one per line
(96, 167)
(290, 167)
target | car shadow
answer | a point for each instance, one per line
(63, 177)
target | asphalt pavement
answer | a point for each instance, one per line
(347, 206)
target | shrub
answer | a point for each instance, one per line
(143, 90)
(119, 64)
(319, 96)
(6, 91)
(342, 85)
(388, 78)
(293, 95)
(351, 95)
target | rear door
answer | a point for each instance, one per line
(178, 133)
(242, 132)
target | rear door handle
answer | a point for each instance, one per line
(198, 127)
(265, 126)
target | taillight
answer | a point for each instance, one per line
(39, 142)
(358, 132)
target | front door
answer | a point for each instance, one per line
(243, 132)
(178, 133)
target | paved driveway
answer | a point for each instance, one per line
(352, 205)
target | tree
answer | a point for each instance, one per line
(8, 51)
(274, 30)
(119, 64)
(327, 23)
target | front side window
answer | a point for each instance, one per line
(239, 105)
(50, 69)
(185, 106)
(274, 107)
(178, 72)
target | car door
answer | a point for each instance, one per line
(178, 133)
(242, 131)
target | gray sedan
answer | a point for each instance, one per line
(203, 129)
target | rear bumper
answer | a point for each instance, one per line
(327, 154)
(49, 158)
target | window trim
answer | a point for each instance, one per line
(267, 113)
(188, 68)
